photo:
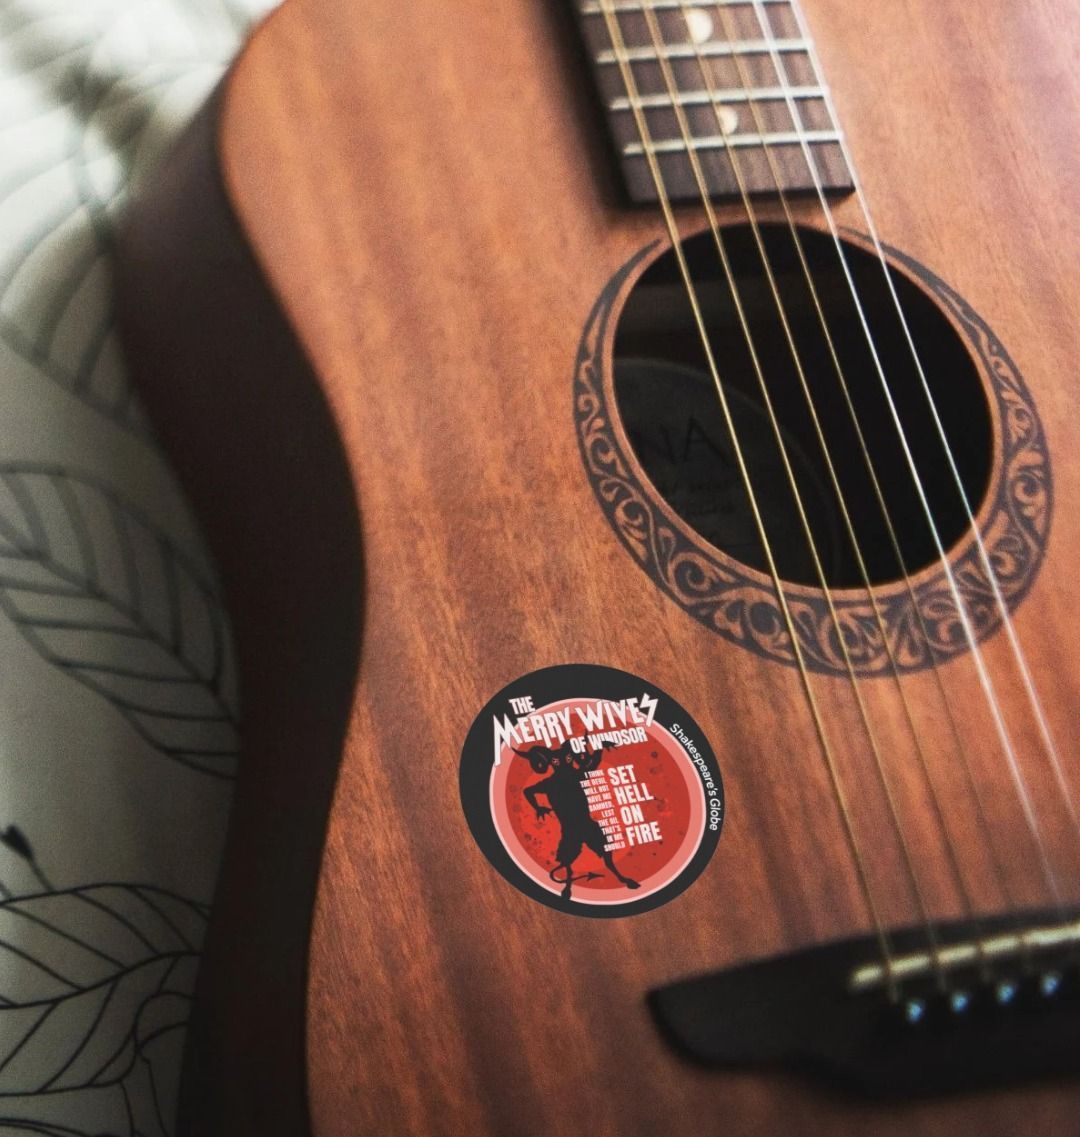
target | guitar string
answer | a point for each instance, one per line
(982, 825)
(1019, 779)
(972, 784)
(658, 45)
(984, 556)
(731, 35)
(986, 683)
(862, 874)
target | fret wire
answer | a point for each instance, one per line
(723, 141)
(731, 95)
(711, 50)
(593, 8)
(756, 49)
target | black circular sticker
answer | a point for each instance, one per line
(592, 790)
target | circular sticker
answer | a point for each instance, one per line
(591, 790)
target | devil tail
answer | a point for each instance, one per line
(570, 877)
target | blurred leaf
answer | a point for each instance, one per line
(105, 596)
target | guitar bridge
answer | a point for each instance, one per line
(996, 1001)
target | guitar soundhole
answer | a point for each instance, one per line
(671, 412)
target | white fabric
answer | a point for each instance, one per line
(117, 692)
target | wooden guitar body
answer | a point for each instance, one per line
(385, 445)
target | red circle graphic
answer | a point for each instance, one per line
(623, 804)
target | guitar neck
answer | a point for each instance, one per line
(724, 96)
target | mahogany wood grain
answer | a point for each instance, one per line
(424, 188)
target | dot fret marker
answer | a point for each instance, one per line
(680, 81)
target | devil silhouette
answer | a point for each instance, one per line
(566, 799)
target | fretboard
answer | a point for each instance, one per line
(730, 83)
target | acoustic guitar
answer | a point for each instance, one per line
(646, 488)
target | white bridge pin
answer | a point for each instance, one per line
(1006, 991)
(1050, 983)
(959, 1001)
